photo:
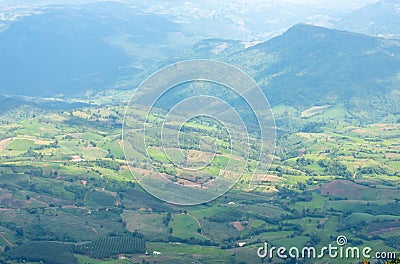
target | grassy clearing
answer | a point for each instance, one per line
(213, 253)
(298, 241)
(184, 226)
(158, 154)
(357, 218)
(85, 260)
(21, 145)
(149, 224)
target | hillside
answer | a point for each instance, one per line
(311, 65)
(377, 19)
(67, 50)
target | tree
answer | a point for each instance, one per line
(19, 231)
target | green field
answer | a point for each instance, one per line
(60, 182)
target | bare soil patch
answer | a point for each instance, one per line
(4, 143)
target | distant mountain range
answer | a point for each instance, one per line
(69, 50)
(377, 19)
(52, 50)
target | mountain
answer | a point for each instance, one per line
(68, 50)
(309, 65)
(72, 49)
(240, 19)
(377, 19)
(8, 103)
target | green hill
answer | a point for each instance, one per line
(309, 65)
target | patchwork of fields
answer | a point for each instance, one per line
(63, 178)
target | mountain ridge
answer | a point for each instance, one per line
(377, 19)
(310, 65)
